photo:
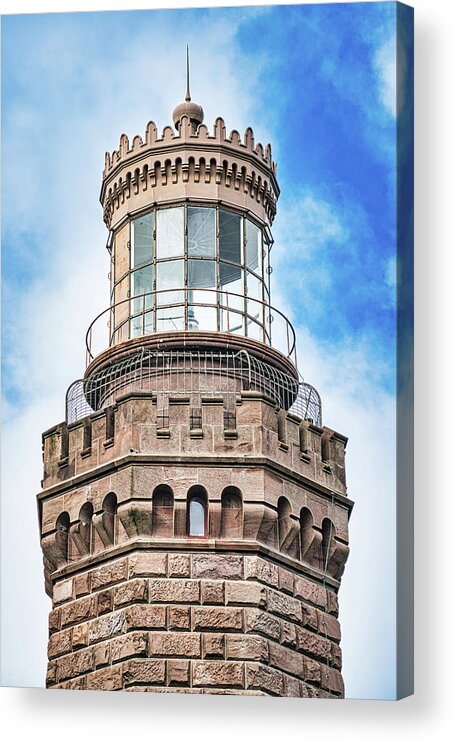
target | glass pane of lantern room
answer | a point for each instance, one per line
(142, 240)
(231, 280)
(230, 236)
(169, 275)
(201, 232)
(141, 286)
(169, 232)
(253, 257)
(201, 275)
(254, 307)
(232, 298)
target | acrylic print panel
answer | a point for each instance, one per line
(196, 507)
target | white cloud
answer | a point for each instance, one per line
(390, 278)
(385, 64)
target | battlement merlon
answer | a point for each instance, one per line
(262, 435)
(189, 164)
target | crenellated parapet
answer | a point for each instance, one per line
(126, 474)
(189, 164)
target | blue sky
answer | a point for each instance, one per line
(318, 82)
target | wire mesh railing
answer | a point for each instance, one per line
(181, 373)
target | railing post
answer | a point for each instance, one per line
(185, 308)
(264, 336)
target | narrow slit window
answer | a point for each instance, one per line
(197, 516)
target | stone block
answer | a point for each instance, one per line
(102, 654)
(74, 684)
(309, 591)
(105, 627)
(169, 644)
(291, 687)
(264, 678)
(312, 671)
(312, 643)
(332, 603)
(336, 656)
(51, 674)
(82, 584)
(130, 645)
(306, 691)
(215, 673)
(62, 591)
(286, 580)
(77, 663)
(192, 691)
(262, 622)
(217, 566)
(147, 564)
(79, 636)
(212, 591)
(286, 659)
(109, 574)
(309, 617)
(246, 648)
(178, 565)
(54, 620)
(288, 634)
(329, 625)
(174, 591)
(80, 610)
(146, 671)
(217, 618)
(178, 672)
(246, 593)
(213, 645)
(133, 591)
(146, 617)
(332, 681)
(105, 601)
(284, 605)
(59, 643)
(108, 679)
(179, 617)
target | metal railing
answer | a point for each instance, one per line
(160, 312)
(196, 374)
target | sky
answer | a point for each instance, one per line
(319, 83)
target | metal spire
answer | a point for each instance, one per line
(187, 96)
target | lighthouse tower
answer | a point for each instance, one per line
(193, 512)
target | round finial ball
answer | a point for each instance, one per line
(190, 109)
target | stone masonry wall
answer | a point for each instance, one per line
(139, 604)
(195, 623)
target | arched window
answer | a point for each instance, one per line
(231, 513)
(85, 530)
(109, 512)
(196, 518)
(328, 534)
(306, 532)
(284, 520)
(62, 526)
(163, 511)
